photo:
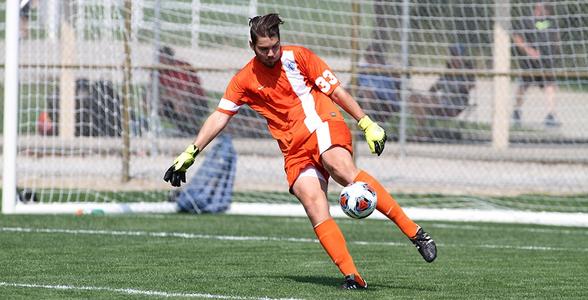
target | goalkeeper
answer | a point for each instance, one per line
(296, 92)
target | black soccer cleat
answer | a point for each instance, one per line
(425, 244)
(351, 283)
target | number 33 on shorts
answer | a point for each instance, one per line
(324, 82)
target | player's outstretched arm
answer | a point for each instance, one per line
(374, 134)
(214, 124)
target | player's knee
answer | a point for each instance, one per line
(343, 173)
(343, 179)
(339, 163)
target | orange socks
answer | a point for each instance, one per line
(388, 206)
(333, 241)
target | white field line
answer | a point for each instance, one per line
(559, 230)
(186, 235)
(130, 291)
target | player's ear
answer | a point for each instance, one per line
(251, 45)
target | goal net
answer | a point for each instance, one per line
(484, 102)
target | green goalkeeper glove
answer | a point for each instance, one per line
(176, 174)
(374, 134)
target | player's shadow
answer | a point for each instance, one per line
(322, 280)
(336, 281)
(330, 281)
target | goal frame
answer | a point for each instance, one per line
(11, 203)
(9, 148)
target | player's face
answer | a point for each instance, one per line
(267, 50)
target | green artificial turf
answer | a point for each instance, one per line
(247, 257)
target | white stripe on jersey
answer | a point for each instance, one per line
(228, 105)
(312, 120)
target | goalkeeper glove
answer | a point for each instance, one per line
(374, 134)
(176, 174)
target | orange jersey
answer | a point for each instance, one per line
(293, 95)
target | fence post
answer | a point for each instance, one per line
(355, 21)
(502, 88)
(127, 94)
(67, 81)
(404, 39)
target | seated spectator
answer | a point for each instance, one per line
(378, 91)
(25, 16)
(182, 99)
(450, 94)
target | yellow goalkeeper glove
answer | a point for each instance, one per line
(176, 174)
(374, 134)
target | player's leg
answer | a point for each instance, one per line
(311, 190)
(339, 163)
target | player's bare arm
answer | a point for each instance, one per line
(346, 101)
(213, 125)
(374, 134)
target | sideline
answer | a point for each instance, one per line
(130, 291)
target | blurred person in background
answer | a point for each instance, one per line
(378, 91)
(182, 100)
(536, 45)
(449, 96)
(25, 15)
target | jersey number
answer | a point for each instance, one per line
(324, 82)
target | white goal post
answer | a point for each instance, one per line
(12, 203)
(10, 112)
(100, 96)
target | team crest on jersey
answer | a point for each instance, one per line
(290, 65)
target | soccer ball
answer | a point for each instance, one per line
(358, 200)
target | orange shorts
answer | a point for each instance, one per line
(329, 134)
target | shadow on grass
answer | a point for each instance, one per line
(320, 280)
(336, 282)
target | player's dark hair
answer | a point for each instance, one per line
(264, 26)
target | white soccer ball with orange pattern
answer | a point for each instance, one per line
(358, 200)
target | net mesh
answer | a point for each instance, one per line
(112, 91)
